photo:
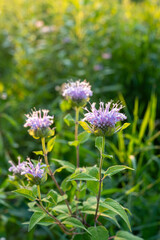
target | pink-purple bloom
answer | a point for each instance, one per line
(36, 171)
(18, 168)
(77, 91)
(105, 117)
(35, 120)
(27, 167)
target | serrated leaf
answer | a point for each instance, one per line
(123, 235)
(75, 223)
(38, 152)
(36, 217)
(98, 233)
(86, 127)
(83, 137)
(115, 207)
(26, 193)
(115, 169)
(69, 120)
(50, 144)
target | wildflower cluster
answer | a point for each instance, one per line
(101, 121)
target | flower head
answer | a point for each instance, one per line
(104, 118)
(33, 173)
(35, 119)
(17, 170)
(77, 91)
(39, 125)
(36, 171)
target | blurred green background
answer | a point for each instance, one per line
(115, 45)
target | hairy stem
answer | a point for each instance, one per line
(52, 175)
(76, 134)
(100, 180)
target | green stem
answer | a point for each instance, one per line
(39, 195)
(51, 174)
(76, 134)
(100, 180)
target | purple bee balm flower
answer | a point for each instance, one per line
(17, 169)
(36, 121)
(104, 118)
(77, 91)
(36, 171)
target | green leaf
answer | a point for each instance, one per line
(123, 235)
(92, 185)
(51, 132)
(98, 233)
(69, 120)
(75, 223)
(125, 125)
(107, 156)
(26, 193)
(62, 198)
(115, 207)
(46, 221)
(69, 166)
(86, 127)
(36, 217)
(99, 143)
(38, 152)
(53, 195)
(108, 214)
(50, 144)
(115, 169)
(145, 122)
(82, 176)
(61, 209)
(74, 143)
(66, 185)
(83, 137)
(34, 190)
(85, 236)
